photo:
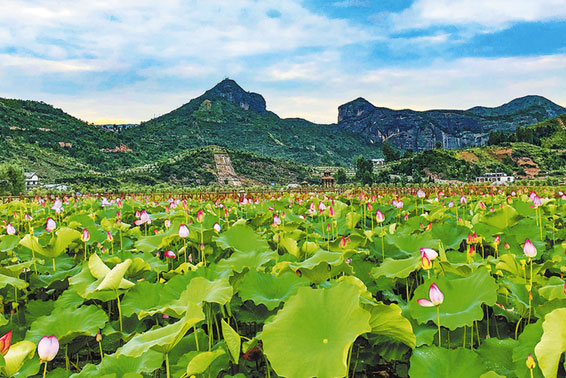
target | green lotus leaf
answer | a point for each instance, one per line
(313, 332)
(3, 320)
(9, 242)
(553, 342)
(463, 298)
(146, 299)
(554, 289)
(64, 237)
(427, 362)
(67, 323)
(151, 243)
(290, 245)
(201, 290)
(268, 289)
(12, 281)
(85, 285)
(162, 339)
(32, 242)
(241, 260)
(322, 265)
(396, 268)
(114, 280)
(491, 374)
(122, 366)
(450, 234)
(202, 361)
(232, 339)
(497, 355)
(501, 218)
(16, 356)
(241, 238)
(528, 339)
(386, 320)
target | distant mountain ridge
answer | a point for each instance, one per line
(46, 139)
(421, 130)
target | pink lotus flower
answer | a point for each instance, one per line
(28, 217)
(435, 295)
(406, 217)
(47, 348)
(463, 200)
(343, 242)
(276, 221)
(85, 235)
(109, 237)
(379, 217)
(144, 219)
(421, 193)
(529, 249)
(331, 211)
(451, 204)
(216, 227)
(200, 216)
(5, 342)
(429, 253)
(426, 262)
(169, 254)
(183, 231)
(497, 240)
(10, 230)
(51, 225)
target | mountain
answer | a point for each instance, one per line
(421, 130)
(230, 117)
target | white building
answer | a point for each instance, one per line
(31, 180)
(495, 178)
(378, 163)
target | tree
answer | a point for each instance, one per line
(340, 176)
(364, 171)
(391, 154)
(12, 179)
(438, 144)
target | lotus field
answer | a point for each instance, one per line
(435, 282)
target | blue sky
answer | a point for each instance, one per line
(134, 59)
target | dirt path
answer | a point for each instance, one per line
(225, 171)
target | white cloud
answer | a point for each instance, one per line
(485, 14)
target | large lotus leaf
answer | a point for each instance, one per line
(528, 339)
(16, 356)
(554, 289)
(241, 260)
(202, 361)
(463, 298)
(12, 281)
(3, 320)
(163, 339)
(242, 238)
(32, 242)
(9, 242)
(313, 332)
(391, 268)
(64, 237)
(497, 355)
(450, 234)
(553, 342)
(502, 218)
(151, 243)
(427, 362)
(403, 244)
(232, 339)
(123, 366)
(85, 285)
(386, 320)
(68, 323)
(268, 289)
(201, 290)
(290, 245)
(146, 299)
(114, 280)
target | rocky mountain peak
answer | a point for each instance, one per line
(230, 91)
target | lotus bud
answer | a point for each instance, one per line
(169, 254)
(379, 217)
(47, 348)
(167, 223)
(530, 362)
(276, 221)
(506, 245)
(200, 216)
(429, 253)
(98, 336)
(109, 237)
(216, 227)
(529, 249)
(50, 225)
(5, 342)
(183, 231)
(497, 240)
(435, 295)
(10, 230)
(85, 235)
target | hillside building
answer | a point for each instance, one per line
(495, 178)
(31, 180)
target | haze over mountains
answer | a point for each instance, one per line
(44, 138)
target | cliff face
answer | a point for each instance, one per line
(230, 91)
(409, 129)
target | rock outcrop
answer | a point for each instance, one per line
(416, 130)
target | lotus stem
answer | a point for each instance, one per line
(196, 337)
(349, 360)
(438, 323)
(530, 289)
(54, 264)
(517, 327)
(44, 369)
(101, 354)
(119, 309)
(167, 365)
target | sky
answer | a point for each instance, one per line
(132, 60)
